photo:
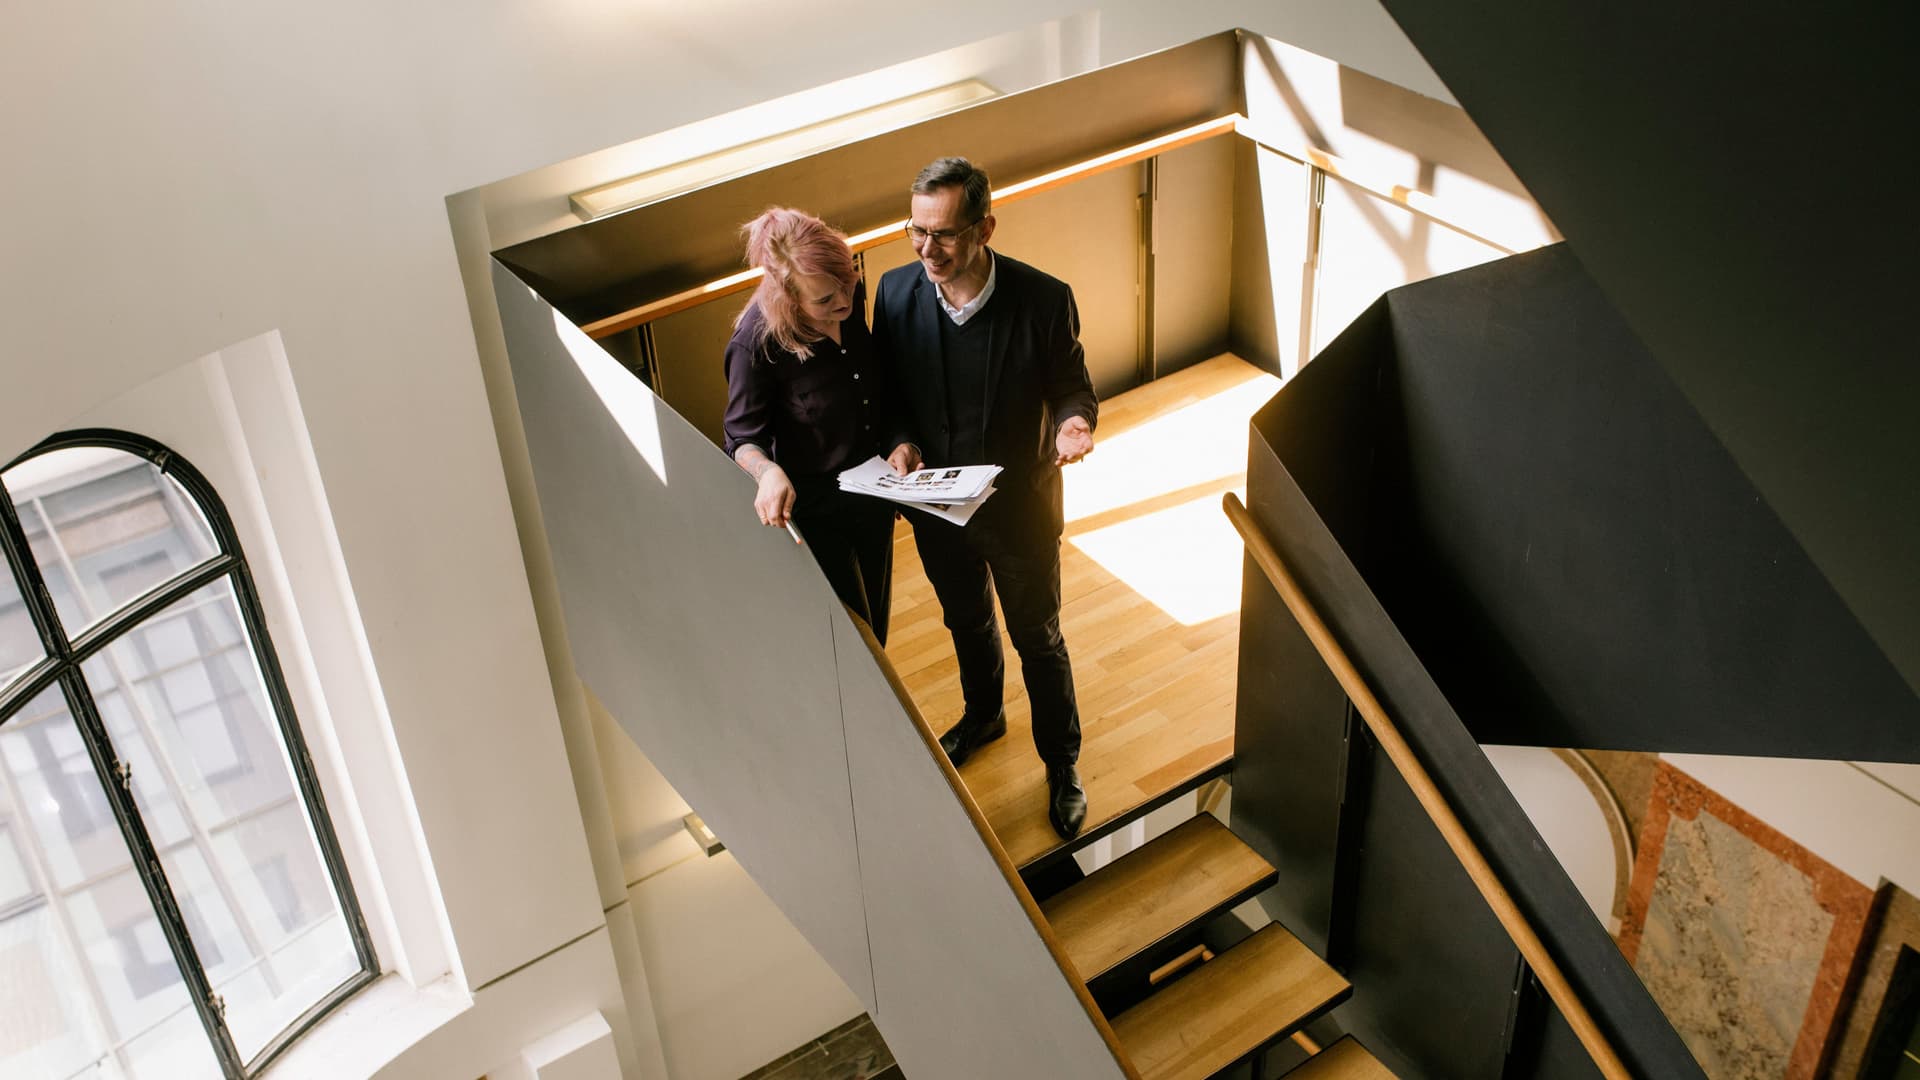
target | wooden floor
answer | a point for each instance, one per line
(1150, 587)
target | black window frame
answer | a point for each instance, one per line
(61, 664)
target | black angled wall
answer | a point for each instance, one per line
(1737, 180)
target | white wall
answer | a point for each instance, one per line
(181, 178)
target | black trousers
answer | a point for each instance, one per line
(851, 537)
(965, 568)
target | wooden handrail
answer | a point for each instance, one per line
(999, 853)
(874, 237)
(1431, 800)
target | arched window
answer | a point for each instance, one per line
(172, 898)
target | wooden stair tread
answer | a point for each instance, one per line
(1344, 1060)
(1150, 894)
(1255, 992)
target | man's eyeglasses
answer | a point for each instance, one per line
(941, 237)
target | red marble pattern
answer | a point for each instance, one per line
(1676, 794)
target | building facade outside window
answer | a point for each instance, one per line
(173, 902)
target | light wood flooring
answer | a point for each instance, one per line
(1146, 547)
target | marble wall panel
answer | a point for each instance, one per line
(1744, 937)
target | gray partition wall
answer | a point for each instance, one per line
(954, 954)
(705, 634)
(719, 647)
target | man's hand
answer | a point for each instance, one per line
(773, 502)
(904, 459)
(1073, 442)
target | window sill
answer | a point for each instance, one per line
(372, 1028)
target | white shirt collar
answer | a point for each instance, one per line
(968, 310)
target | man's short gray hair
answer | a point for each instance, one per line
(958, 172)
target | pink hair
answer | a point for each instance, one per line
(791, 244)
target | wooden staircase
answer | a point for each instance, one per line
(1134, 932)
(1157, 704)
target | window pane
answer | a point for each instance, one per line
(128, 957)
(276, 874)
(67, 813)
(48, 1026)
(82, 966)
(198, 704)
(15, 886)
(1369, 245)
(183, 687)
(19, 641)
(177, 1048)
(105, 526)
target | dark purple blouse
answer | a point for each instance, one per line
(815, 416)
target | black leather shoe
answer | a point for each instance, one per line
(967, 736)
(1066, 800)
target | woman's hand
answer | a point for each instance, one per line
(773, 494)
(774, 499)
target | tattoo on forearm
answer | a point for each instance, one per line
(752, 460)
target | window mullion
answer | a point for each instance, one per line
(163, 596)
(107, 767)
(28, 685)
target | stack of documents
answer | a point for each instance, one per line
(953, 493)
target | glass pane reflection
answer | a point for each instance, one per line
(47, 764)
(19, 641)
(183, 689)
(105, 526)
(82, 968)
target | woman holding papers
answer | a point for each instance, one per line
(808, 396)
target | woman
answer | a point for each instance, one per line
(808, 395)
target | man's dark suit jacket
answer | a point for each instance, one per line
(1036, 379)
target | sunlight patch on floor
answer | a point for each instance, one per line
(1185, 559)
(1147, 501)
(1203, 441)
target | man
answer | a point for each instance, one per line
(988, 360)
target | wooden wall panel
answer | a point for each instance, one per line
(689, 350)
(1269, 258)
(1193, 253)
(1087, 234)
